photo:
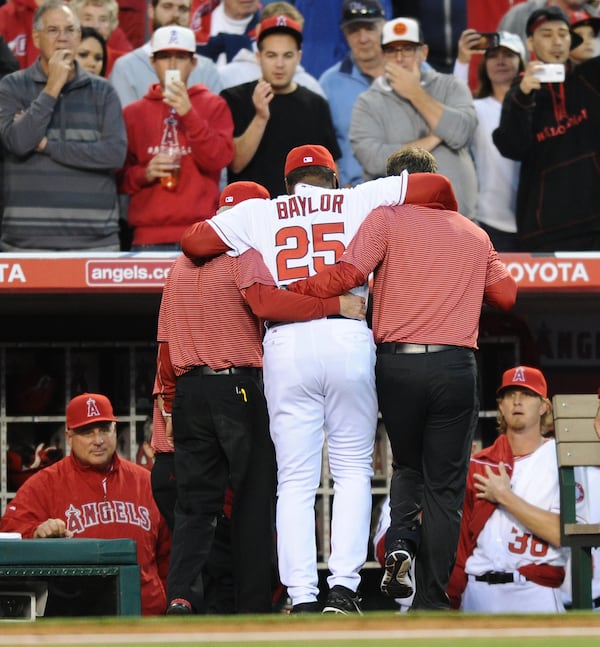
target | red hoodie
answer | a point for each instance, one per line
(206, 135)
(16, 24)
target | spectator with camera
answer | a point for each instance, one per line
(515, 19)
(553, 128)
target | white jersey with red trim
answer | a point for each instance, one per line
(300, 234)
(505, 543)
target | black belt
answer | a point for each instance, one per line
(232, 370)
(272, 324)
(400, 348)
(495, 577)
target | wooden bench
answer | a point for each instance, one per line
(47, 558)
(577, 446)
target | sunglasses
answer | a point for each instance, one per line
(354, 13)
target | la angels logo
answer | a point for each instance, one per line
(519, 375)
(92, 408)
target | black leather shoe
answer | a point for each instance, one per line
(306, 607)
(179, 607)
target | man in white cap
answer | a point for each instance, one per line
(179, 141)
(409, 106)
(133, 72)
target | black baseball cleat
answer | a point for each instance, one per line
(342, 600)
(306, 607)
(179, 607)
(396, 582)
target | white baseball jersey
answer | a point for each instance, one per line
(505, 544)
(298, 235)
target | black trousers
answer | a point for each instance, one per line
(221, 437)
(429, 405)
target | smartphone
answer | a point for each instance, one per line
(550, 72)
(487, 40)
(170, 76)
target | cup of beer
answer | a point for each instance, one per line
(169, 182)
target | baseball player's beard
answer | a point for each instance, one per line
(516, 422)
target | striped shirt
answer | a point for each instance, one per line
(432, 269)
(220, 330)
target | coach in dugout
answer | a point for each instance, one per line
(93, 493)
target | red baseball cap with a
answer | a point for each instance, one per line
(280, 24)
(308, 155)
(524, 377)
(237, 192)
(88, 409)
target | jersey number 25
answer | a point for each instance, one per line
(299, 252)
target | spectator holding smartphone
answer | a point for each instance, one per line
(553, 129)
(179, 140)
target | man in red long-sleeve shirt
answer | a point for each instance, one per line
(433, 270)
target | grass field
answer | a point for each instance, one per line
(574, 629)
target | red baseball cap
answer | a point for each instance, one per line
(237, 192)
(581, 18)
(279, 24)
(88, 409)
(308, 155)
(525, 377)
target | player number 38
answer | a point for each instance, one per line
(527, 543)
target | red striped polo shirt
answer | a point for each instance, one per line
(432, 269)
(205, 319)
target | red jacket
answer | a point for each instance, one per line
(96, 505)
(206, 133)
(16, 23)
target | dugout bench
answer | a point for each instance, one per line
(577, 446)
(112, 562)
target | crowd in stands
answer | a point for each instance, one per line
(335, 77)
(122, 121)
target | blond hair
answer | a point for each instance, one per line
(111, 5)
(282, 9)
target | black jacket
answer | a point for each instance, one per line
(555, 133)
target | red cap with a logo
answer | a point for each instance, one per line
(237, 192)
(88, 409)
(524, 377)
(308, 155)
(280, 24)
